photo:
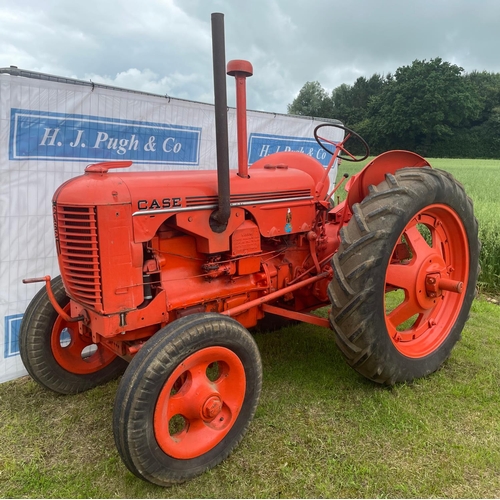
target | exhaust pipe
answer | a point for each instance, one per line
(220, 217)
(241, 70)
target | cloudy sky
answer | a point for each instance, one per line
(164, 46)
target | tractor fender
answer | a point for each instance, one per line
(374, 172)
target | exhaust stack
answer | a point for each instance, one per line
(241, 70)
(220, 217)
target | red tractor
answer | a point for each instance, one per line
(165, 273)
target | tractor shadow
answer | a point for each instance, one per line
(306, 355)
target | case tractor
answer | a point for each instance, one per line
(163, 274)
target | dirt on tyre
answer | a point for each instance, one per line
(54, 353)
(405, 275)
(187, 398)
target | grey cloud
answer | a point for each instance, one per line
(164, 46)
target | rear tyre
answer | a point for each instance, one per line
(54, 353)
(405, 275)
(187, 398)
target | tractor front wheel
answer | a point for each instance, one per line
(56, 355)
(405, 275)
(187, 398)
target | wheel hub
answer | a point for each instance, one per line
(212, 407)
(427, 289)
(433, 279)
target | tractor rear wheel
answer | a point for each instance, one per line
(187, 398)
(54, 353)
(405, 275)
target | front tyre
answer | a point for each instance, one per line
(54, 353)
(187, 398)
(405, 275)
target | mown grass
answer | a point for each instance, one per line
(480, 180)
(321, 430)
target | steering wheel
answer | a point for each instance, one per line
(349, 135)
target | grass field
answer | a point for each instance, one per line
(481, 181)
(321, 430)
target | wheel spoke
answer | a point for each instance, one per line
(183, 404)
(324, 139)
(420, 248)
(341, 146)
(402, 275)
(230, 387)
(198, 434)
(406, 310)
(191, 394)
(347, 152)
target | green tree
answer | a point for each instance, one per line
(487, 86)
(483, 140)
(350, 103)
(312, 100)
(430, 107)
(423, 103)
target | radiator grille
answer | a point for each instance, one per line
(79, 253)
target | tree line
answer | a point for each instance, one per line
(431, 107)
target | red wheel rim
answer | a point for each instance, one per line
(73, 352)
(199, 403)
(426, 281)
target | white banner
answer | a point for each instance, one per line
(49, 132)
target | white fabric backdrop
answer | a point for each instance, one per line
(49, 132)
